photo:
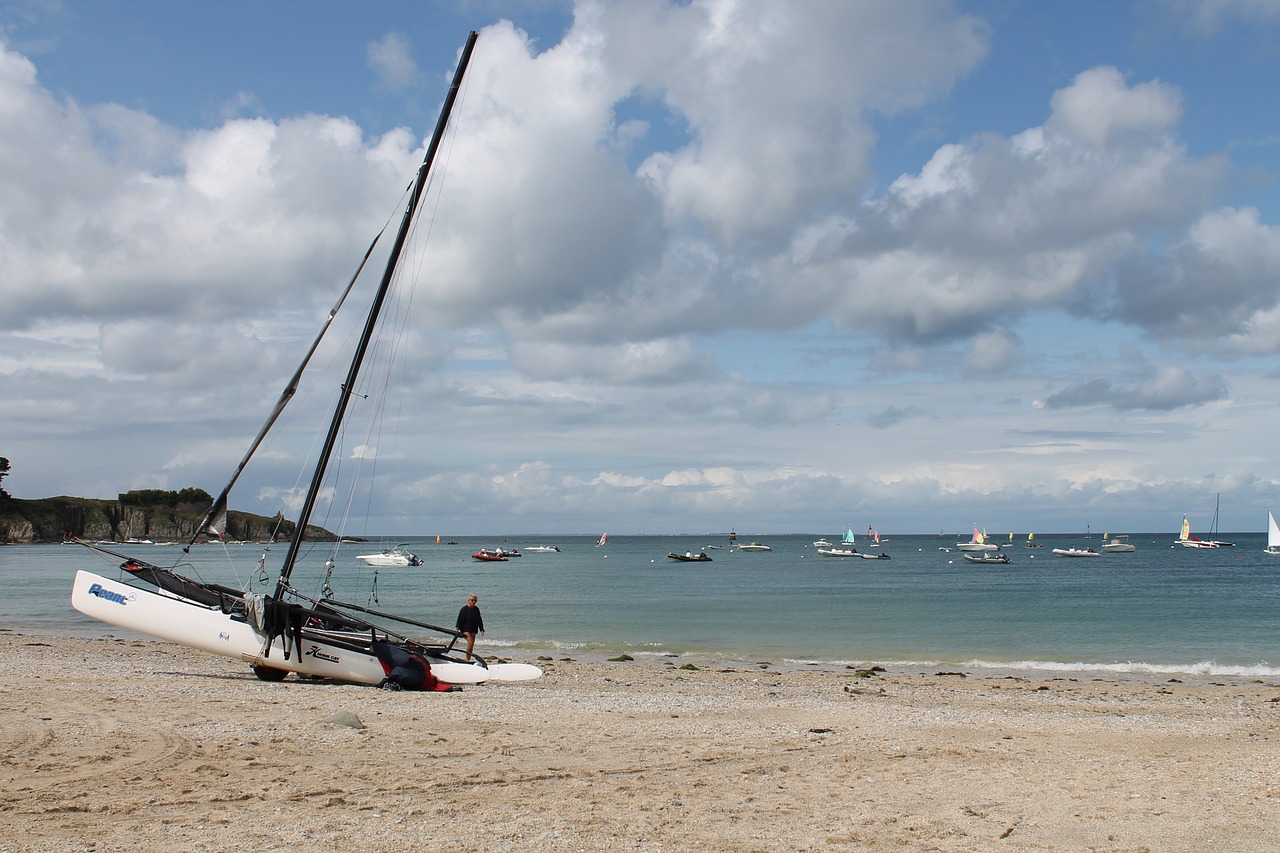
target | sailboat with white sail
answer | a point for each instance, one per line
(288, 631)
(1273, 536)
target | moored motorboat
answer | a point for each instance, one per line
(1073, 551)
(396, 556)
(690, 557)
(1118, 544)
(835, 551)
(489, 555)
(542, 549)
(754, 546)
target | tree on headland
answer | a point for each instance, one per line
(164, 497)
(4, 472)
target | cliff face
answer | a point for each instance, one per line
(56, 519)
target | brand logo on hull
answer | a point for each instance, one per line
(107, 595)
(314, 652)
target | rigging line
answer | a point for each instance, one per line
(370, 325)
(397, 322)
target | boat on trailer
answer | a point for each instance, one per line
(287, 631)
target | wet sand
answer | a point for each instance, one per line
(115, 745)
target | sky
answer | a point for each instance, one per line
(684, 267)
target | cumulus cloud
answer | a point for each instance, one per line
(1036, 221)
(1215, 288)
(757, 84)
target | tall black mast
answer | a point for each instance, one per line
(335, 426)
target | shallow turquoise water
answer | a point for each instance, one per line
(1160, 609)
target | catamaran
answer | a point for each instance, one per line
(1186, 540)
(978, 543)
(288, 631)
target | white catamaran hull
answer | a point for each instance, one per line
(208, 629)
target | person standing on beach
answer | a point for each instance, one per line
(470, 622)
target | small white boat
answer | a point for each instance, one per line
(1116, 544)
(821, 543)
(396, 556)
(1273, 536)
(542, 549)
(833, 551)
(1073, 551)
(754, 546)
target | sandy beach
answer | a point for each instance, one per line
(113, 745)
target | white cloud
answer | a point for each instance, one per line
(391, 59)
(1099, 109)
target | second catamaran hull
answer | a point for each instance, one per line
(208, 629)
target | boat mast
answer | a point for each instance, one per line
(335, 425)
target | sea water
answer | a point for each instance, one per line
(1161, 609)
